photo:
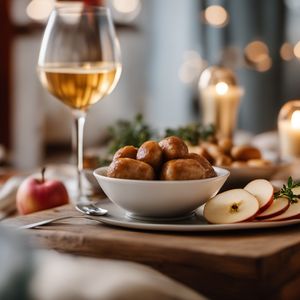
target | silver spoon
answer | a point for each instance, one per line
(91, 209)
(87, 209)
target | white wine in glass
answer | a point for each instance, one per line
(79, 62)
(79, 86)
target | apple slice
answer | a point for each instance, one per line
(293, 212)
(232, 206)
(263, 190)
(278, 207)
(296, 190)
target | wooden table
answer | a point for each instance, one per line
(234, 265)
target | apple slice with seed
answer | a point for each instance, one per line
(232, 206)
(263, 191)
(278, 207)
(293, 212)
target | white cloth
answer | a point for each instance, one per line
(8, 195)
(76, 278)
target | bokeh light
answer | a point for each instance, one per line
(126, 6)
(216, 15)
(257, 56)
(286, 51)
(126, 10)
(191, 68)
(264, 65)
(297, 50)
(256, 51)
(39, 10)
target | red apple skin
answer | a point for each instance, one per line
(252, 218)
(270, 200)
(35, 195)
(290, 218)
(267, 205)
(284, 219)
(279, 212)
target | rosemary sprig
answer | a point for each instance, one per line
(287, 191)
(193, 132)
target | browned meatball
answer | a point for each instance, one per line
(128, 168)
(209, 170)
(203, 152)
(173, 147)
(223, 160)
(126, 152)
(245, 153)
(225, 144)
(182, 169)
(213, 150)
(150, 153)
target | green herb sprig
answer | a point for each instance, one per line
(287, 191)
(124, 133)
(193, 133)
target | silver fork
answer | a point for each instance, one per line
(88, 210)
(49, 221)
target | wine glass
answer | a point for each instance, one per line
(79, 63)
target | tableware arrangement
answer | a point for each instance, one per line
(166, 181)
(194, 223)
(79, 63)
(246, 162)
(160, 199)
(160, 179)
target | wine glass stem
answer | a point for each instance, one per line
(79, 120)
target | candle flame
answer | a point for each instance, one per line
(222, 88)
(295, 120)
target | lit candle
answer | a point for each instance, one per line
(289, 133)
(220, 99)
(220, 105)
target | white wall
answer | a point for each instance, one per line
(172, 31)
(28, 110)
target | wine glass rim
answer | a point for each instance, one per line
(75, 9)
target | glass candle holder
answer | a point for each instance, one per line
(219, 99)
(289, 131)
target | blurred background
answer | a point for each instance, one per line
(165, 47)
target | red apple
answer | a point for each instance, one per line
(39, 194)
(232, 206)
(263, 191)
(278, 207)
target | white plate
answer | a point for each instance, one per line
(117, 217)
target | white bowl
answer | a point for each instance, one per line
(240, 176)
(160, 199)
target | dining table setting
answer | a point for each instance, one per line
(212, 209)
(217, 235)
